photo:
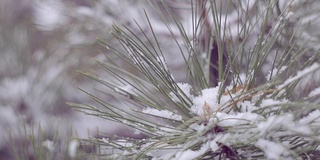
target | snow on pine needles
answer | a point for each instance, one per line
(247, 114)
(237, 122)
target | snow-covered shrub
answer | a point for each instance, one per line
(251, 87)
(246, 94)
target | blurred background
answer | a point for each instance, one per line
(42, 44)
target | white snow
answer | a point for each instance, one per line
(246, 106)
(11, 88)
(136, 132)
(48, 144)
(72, 148)
(125, 90)
(162, 113)
(223, 138)
(274, 123)
(208, 98)
(185, 88)
(190, 154)
(300, 74)
(242, 77)
(300, 129)
(285, 122)
(86, 11)
(120, 142)
(272, 150)
(311, 117)
(314, 92)
(227, 120)
(49, 15)
(269, 102)
(214, 146)
(272, 74)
